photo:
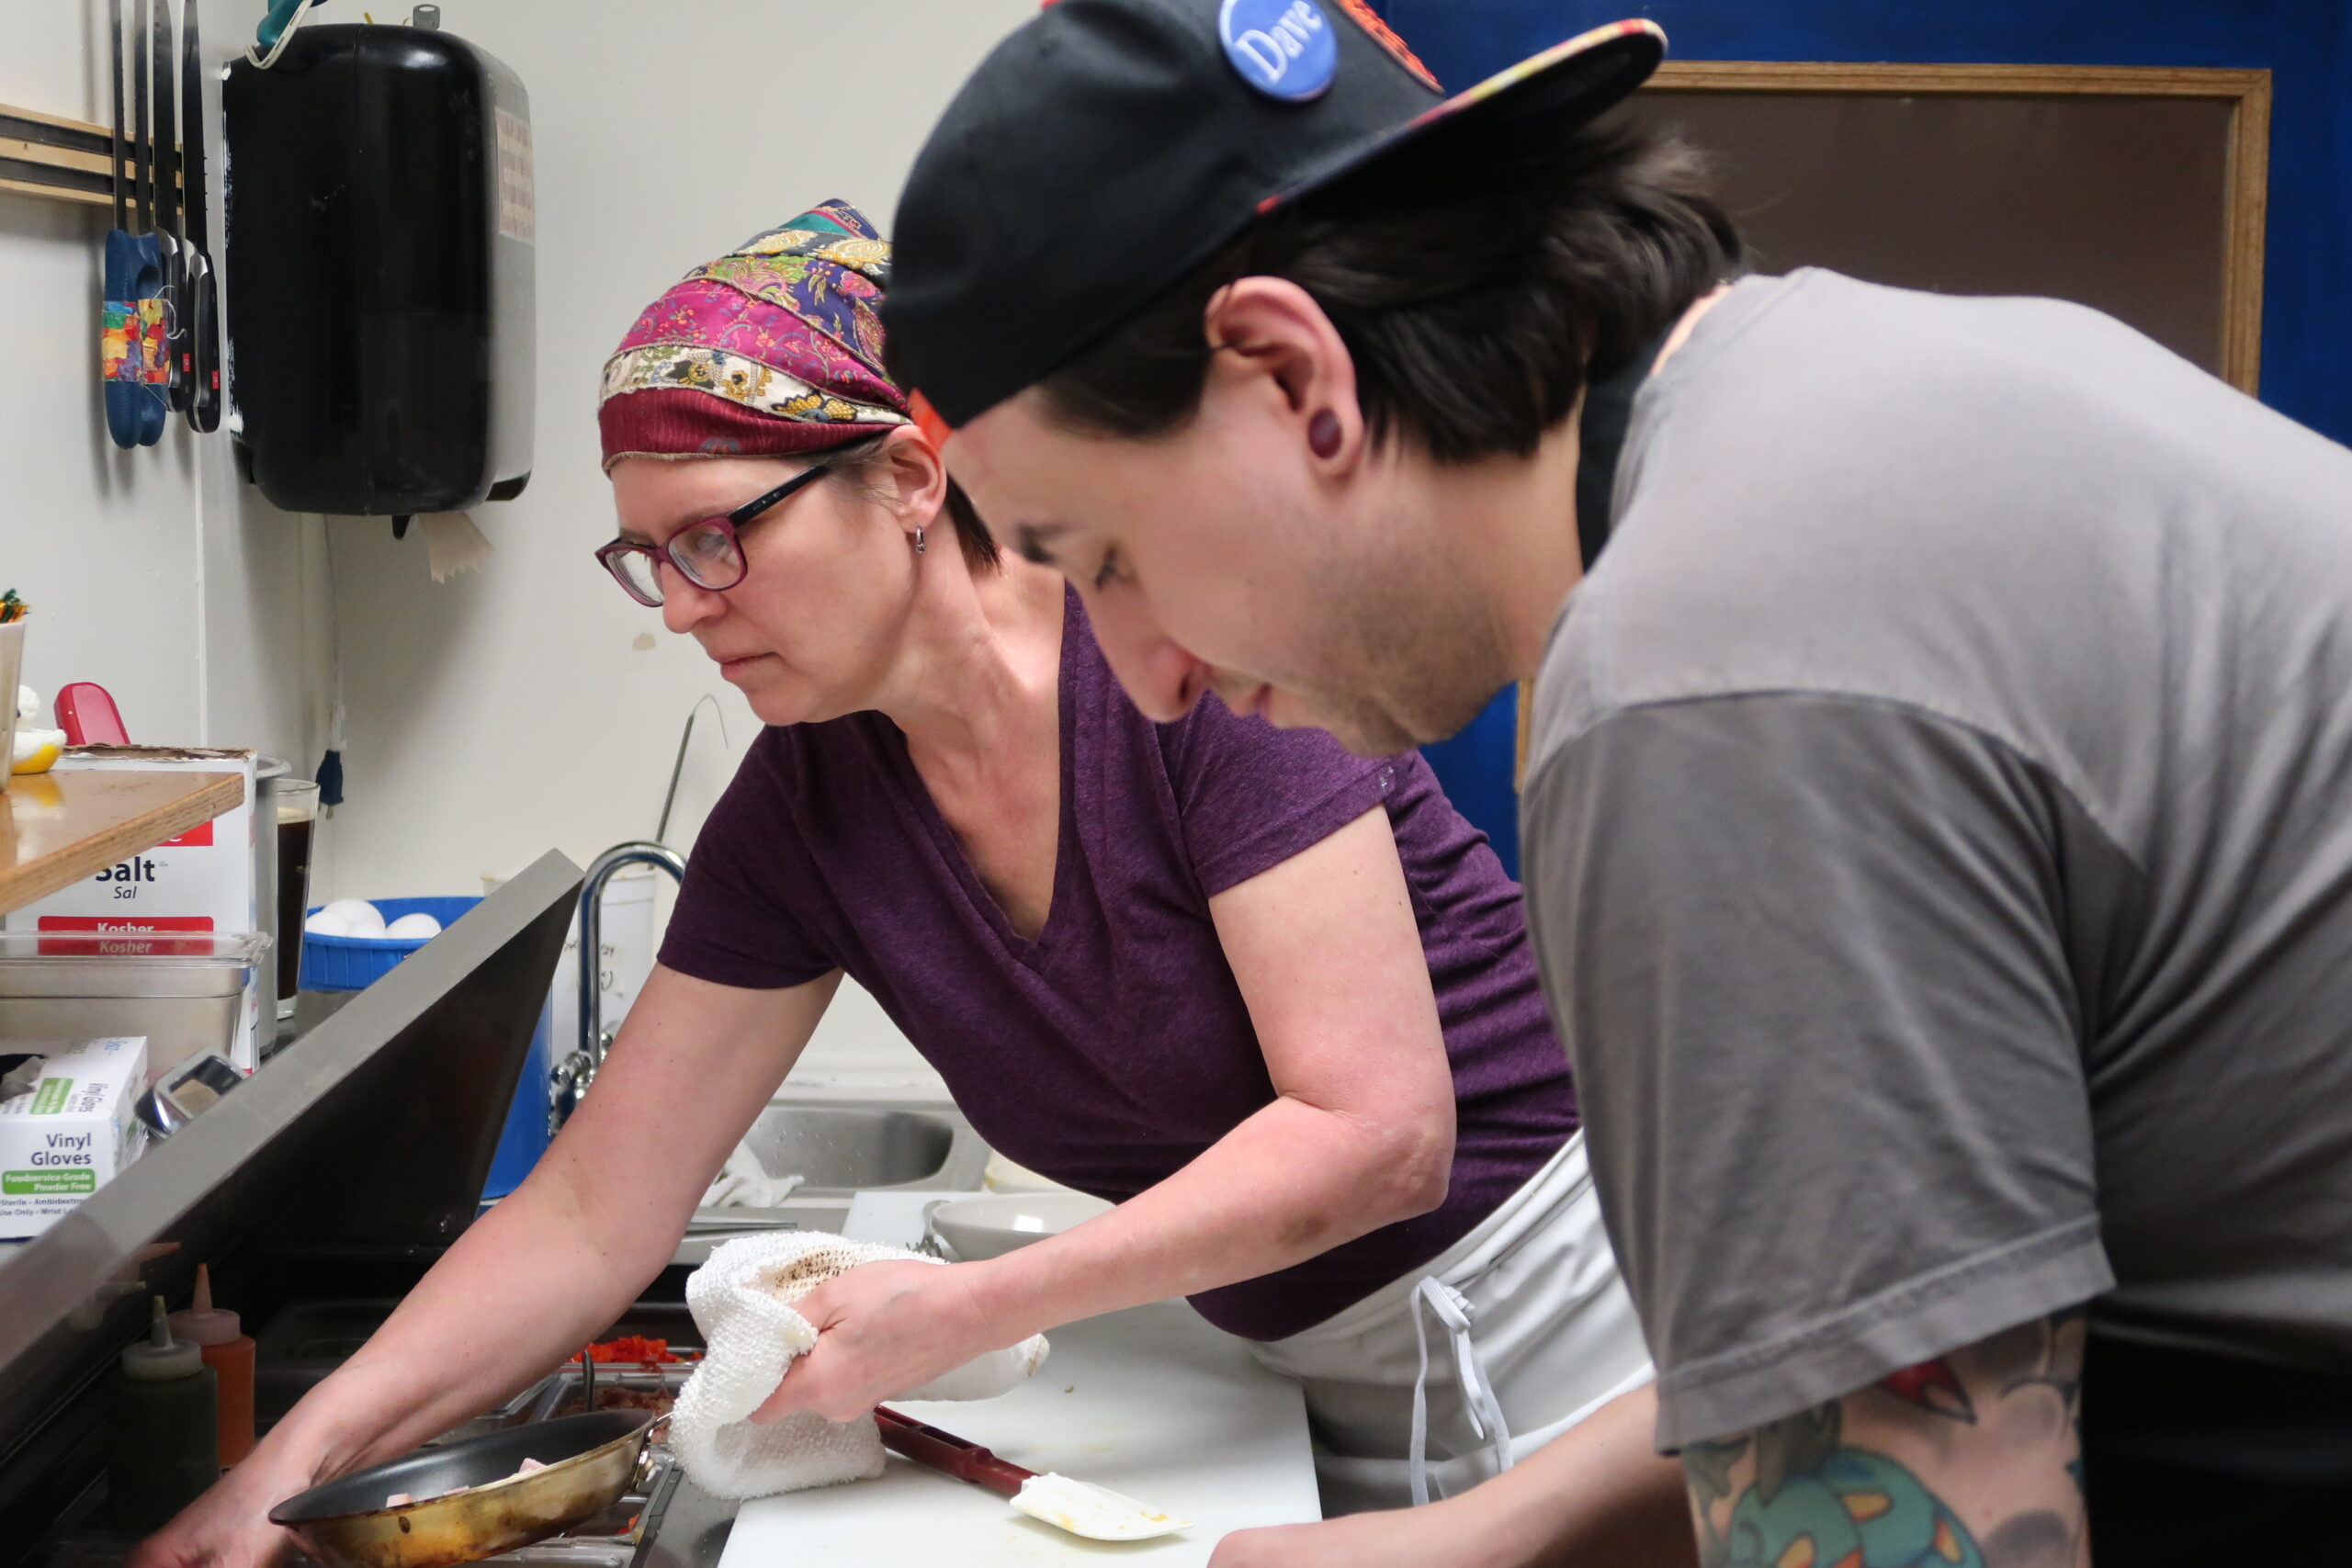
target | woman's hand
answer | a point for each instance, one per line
(882, 1329)
(229, 1526)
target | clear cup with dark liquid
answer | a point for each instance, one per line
(296, 801)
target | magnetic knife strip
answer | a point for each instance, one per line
(41, 155)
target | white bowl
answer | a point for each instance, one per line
(997, 1223)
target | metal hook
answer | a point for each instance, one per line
(662, 832)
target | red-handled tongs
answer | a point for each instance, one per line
(87, 715)
(1079, 1506)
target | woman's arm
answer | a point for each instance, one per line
(1359, 1135)
(1595, 1495)
(551, 1266)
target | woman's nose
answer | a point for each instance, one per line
(685, 604)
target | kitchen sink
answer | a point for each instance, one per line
(840, 1148)
(836, 1148)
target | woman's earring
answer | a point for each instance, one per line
(919, 543)
(1323, 433)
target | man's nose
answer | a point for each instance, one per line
(1162, 677)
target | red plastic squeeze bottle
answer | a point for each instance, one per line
(228, 1351)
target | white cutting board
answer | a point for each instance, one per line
(1151, 1402)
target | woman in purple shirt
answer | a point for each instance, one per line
(1274, 1002)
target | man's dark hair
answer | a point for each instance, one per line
(980, 545)
(1477, 285)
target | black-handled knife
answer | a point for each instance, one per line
(201, 365)
(150, 314)
(167, 200)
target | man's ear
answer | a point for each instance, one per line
(1273, 343)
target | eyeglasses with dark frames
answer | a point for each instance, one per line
(708, 554)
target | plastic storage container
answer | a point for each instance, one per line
(355, 963)
(12, 658)
(185, 991)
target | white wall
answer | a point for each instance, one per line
(153, 572)
(530, 705)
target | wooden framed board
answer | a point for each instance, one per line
(2139, 191)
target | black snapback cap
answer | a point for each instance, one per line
(1108, 147)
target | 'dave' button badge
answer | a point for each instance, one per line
(1283, 48)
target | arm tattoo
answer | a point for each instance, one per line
(1932, 1386)
(1968, 1460)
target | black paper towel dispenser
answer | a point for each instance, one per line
(380, 272)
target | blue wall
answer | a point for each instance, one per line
(1476, 767)
(2307, 44)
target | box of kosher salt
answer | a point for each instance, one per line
(202, 881)
(71, 1127)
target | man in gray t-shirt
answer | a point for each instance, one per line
(1938, 843)
(1939, 818)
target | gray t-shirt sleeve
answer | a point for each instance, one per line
(1807, 955)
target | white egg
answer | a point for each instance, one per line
(326, 922)
(363, 918)
(410, 926)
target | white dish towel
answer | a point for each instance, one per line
(744, 1183)
(742, 1300)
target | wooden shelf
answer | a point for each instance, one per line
(61, 826)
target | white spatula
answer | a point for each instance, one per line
(1079, 1506)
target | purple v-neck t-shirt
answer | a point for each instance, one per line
(1115, 1048)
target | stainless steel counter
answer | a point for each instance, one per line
(692, 1532)
(338, 1172)
(342, 1165)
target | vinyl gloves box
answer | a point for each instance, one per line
(68, 1126)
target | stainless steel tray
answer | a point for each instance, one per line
(560, 1394)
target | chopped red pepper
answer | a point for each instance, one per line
(635, 1349)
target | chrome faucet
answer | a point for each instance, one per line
(571, 1077)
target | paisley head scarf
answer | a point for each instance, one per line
(774, 347)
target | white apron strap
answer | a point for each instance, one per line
(1453, 1310)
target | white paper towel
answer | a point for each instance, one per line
(742, 1300)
